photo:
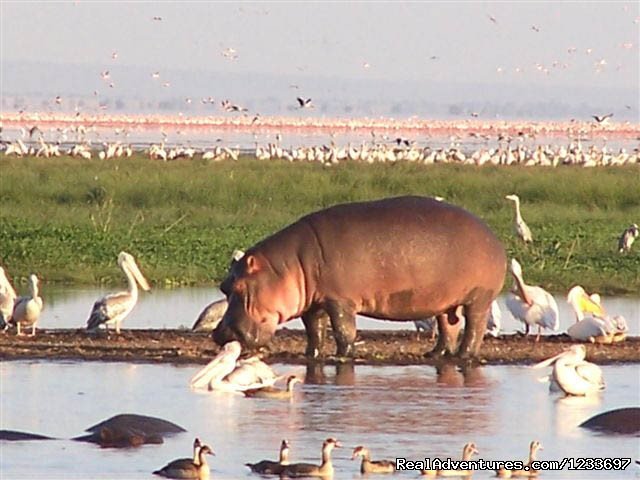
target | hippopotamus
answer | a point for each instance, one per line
(619, 421)
(403, 258)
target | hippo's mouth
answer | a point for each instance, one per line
(227, 333)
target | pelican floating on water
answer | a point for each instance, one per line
(572, 374)
(227, 373)
(27, 309)
(114, 308)
(532, 305)
(7, 299)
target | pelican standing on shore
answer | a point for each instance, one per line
(27, 309)
(572, 373)
(114, 308)
(7, 299)
(531, 305)
(521, 228)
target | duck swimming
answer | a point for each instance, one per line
(189, 467)
(325, 469)
(272, 392)
(372, 466)
(269, 467)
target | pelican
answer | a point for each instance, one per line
(627, 238)
(7, 299)
(211, 316)
(225, 372)
(27, 309)
(115, 307)
(572, 374)
(531, 305)
(520, 226)
(597, 327)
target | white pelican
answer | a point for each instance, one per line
(531, 305)
(520, 226)
(225, 372)
(572, 374)
(595, 327)
(115, 307)
(27, 309)
(7, 299)
(627, 238)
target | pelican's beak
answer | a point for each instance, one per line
(588, 305)
(549, 361)
(138, 276)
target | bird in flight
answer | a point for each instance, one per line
(602, 119)
(157, 19)
(105, 75)
(304, 102)
(535, 28)
(493, 19)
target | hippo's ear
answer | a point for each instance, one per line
(252, 264)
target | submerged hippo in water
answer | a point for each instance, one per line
(402, 258)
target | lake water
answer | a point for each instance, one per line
(411, 412)
(68, 307)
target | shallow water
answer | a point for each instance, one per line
(69, 308)
(409, 412)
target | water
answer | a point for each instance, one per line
(67, 307)
(409, 412)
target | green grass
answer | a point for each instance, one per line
(67, 219)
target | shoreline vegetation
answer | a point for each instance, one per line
(66, 219)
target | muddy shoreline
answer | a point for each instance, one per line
(373, 347)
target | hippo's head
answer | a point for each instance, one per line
(260, 297)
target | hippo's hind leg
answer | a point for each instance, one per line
(315, 323)
(448, 331)
(343, 323)
(476, 316)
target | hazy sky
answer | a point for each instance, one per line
(538, 44)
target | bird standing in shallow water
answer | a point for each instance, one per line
(114, 308)
(521, 228)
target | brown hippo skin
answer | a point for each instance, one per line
(403, 258)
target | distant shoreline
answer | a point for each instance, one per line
(323, 125)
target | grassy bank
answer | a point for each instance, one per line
(66, 219)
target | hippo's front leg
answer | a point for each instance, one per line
(343, 323)
(315, 323)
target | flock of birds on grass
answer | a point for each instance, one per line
(386, 151)
(197, 467)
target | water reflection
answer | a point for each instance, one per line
(409, 411)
